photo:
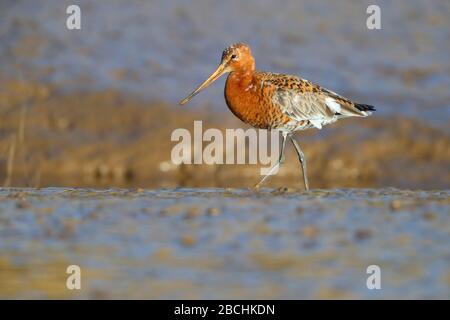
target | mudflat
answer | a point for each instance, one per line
(224, 243)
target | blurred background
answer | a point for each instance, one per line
(96, 106)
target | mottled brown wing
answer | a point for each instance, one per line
(302, 100)
(302, 105)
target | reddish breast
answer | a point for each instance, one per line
(251, 101)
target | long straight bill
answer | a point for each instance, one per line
(213, 77)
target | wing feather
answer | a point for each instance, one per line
(300, 99)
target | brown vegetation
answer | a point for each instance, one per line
(50, 138)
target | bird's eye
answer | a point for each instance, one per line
(233, 56)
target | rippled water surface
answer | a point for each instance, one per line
(224, 243)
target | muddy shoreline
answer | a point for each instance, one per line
(224, 243)
(52, 138)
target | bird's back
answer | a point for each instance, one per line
(279, 101)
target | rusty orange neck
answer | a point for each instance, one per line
(240, 79)
(241, 97)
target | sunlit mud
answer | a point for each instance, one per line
(224, 243)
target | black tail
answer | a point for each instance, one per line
(364, 107)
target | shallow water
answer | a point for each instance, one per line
(224, 243)
(161, 49)
(227, 243)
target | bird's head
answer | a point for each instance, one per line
(236, 58)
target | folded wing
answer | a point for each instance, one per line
(302, 100)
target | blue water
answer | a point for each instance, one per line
(269, 244)
(165, 48)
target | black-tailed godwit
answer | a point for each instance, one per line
(275, 101)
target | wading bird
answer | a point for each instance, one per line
(275, 101)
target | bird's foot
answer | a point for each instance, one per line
(256, 187)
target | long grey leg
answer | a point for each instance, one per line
(302, 159)
(278, 164)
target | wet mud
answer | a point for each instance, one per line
(51, 138)
(224, 243)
